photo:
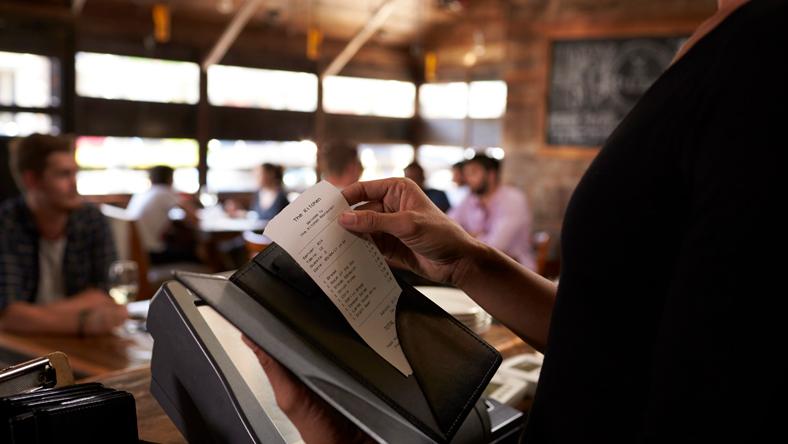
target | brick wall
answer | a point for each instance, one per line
(516, 34)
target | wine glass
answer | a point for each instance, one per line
(123, 281)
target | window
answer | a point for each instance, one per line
(477, 100)
(262, 88)
(443, 100)
(231, 163)
(108, 76)
(437, 161)
(117, 165)
(487, 100)
(384, 160)
(26, 81)
(24, 124)
(372, 97)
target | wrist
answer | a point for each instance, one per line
(476, 257)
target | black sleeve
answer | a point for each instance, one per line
(724, 339)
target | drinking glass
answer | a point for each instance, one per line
(123, 281)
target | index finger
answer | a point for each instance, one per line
(371, 191)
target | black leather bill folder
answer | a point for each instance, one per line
(85, 413)
(276, 304)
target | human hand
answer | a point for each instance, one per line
(316, 420)
(408, 228)
(233, 208)
(104, 318)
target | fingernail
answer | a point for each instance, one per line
(348, 218)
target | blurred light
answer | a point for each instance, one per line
(443, 100)
(487, 99)
(496, 152)
(225, 6)
(309, 147)
(161, 22)
(262, 88)
(430, 66)
(314, 38)
(26, 80)
(469, 59)
(437, 161)
(384, 160)
(114, 77)
(214, 144)
(469, 153)
(11, 129)
(373, 97)
(368, 158)
(231, 163)
(117, 165)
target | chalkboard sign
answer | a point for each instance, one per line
(595, 83)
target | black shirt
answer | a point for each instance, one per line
(665, 327)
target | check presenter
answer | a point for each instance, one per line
(408, 228)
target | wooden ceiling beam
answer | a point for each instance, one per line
(230, 33)
(35, 11)
(359, 39)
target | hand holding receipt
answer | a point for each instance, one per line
(348, 268)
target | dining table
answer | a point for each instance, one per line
(122, 361)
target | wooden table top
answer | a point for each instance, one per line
(90, 356)
(155, 426)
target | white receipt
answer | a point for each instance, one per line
(350, 269)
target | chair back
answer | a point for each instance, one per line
(255, 243)
(541, 242)
(128, 245)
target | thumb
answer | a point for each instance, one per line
(371, 222)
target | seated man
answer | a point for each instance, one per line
(151, 211)
(415, 172)
(54, 251)
(340, 163)
(496, 214)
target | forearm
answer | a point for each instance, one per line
(85, 300)
(517, 297)
(24, 317)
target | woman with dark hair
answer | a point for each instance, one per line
(272, 198)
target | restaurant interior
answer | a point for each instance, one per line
(215, 88)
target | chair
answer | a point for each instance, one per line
(255, 243)
(128, 245)
(541, 242)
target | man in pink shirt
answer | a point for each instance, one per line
(496, 214)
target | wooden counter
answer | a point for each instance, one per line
(90, 356)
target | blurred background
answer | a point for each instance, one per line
(214, 88)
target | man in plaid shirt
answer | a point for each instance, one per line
(54, 251)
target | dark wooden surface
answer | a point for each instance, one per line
(155, 426)
(91, 356)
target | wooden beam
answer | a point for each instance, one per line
(229, 35)
(359, 39)
(43, 12)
